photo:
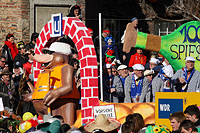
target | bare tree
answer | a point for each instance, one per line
(186, 9)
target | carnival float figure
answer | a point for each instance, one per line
(55, 87)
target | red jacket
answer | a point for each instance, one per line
(13, 49)
(137, 59)
(27, 67)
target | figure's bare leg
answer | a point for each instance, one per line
(66, 108)
(40, 107)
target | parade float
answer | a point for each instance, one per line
(175, 47)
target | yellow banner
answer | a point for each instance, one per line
(167, 103)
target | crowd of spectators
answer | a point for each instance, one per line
(180, 122)
(139, 87)
(127, 78)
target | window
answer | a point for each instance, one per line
(162, 28)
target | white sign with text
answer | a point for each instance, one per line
(108, 110)
(1, 105)
(56, 25)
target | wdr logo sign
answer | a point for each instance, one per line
(169, 106)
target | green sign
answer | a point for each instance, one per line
(175, 47)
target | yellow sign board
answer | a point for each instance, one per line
(167, 103)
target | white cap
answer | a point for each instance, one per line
(105, 66)
(190, 58)
(154, 60)
(148, 72)
(168, 70)
(121, 67)
(138, 67)
(60, 47)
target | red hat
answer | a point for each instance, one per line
(106, 30)
(90, 29)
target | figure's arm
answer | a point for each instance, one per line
(66, 88)
(30, 86)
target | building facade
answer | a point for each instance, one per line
(23, 17)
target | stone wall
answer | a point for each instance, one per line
(23, 17)
(41, 10)
(14, 18)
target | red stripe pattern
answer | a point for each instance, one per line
(78, 32)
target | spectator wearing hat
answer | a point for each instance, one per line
(187, 79)
(162, 82)
(112, 85)
(7, 89)
(102, 122)
(146, 95)
(91, 31)
(20, 57)
(106, 32)
(31, 44)
(134, 21)
(52, 126)
(137, 58)
(134, 84)
(126, 56)
(16, 77)
(9, 50)
(123, 74)
(109, 46)
(110, 57)
(2, 62)
(153, 63)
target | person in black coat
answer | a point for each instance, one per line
(75, 11)
(20, 57)
(31, 44)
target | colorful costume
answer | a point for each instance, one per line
(55, 82)
(137, 59)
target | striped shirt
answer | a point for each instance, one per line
(193, 85)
